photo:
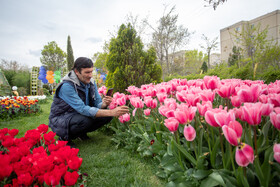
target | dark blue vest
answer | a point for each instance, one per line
(61, 113)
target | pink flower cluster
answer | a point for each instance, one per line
(37, 159)
(179, 99)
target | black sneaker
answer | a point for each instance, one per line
(69, 142)
(83, 137)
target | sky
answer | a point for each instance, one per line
(27, 26)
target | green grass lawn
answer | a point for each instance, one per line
(104, 164)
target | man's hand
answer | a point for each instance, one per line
(119, 111)
(106, 101)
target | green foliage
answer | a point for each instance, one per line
(100, 62)
(70, 56)
(193, 61)
(21, 79)
(270, 75)
(53, 57)
(128, 63)
(9, 74)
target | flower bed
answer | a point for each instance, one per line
(37, 159)
(204, 132)
(17, 106)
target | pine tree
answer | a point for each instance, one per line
(204, 67)
(128, 63)
(70, 56)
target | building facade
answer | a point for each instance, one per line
(271, 21)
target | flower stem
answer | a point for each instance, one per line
(177, 140)
(232, 162)
(255, 140)
(209, 145)
(222, 148)
(194, 148)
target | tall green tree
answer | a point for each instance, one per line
(128, 63)
(70, 56)
(53, 57)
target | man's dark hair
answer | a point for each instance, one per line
(82, 62)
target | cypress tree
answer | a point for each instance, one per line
(70, 56)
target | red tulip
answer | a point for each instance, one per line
(71, 178)
(244, 155)
(172, 124)
(13, 132)
(276, 150)
(233, 132)
(189, 133)
(275, 120)
(74, 163)
(25, 179)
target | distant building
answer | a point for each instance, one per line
(227, 40)
(215, 59)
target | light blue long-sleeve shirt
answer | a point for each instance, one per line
(70, 96)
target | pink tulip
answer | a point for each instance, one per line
(172, 124)
(274, 99)
(170, 103)
(235, 101)
(252, 113)
(250, 94)
(205, 106)
(225, 91)
(192, 99)
(121, 101)
(150, 102)
(233, 132)
(277, 110)
(102, 90)
(189, 113)
(244, 155)
(266, 109)
(147, 112)
(189, 133)
(275, 120)
(207, 95)
(209, 117)
(223, 117)
(124, 118)
(161, 97)
(137, 102)
(211, 82)
(276, 150)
